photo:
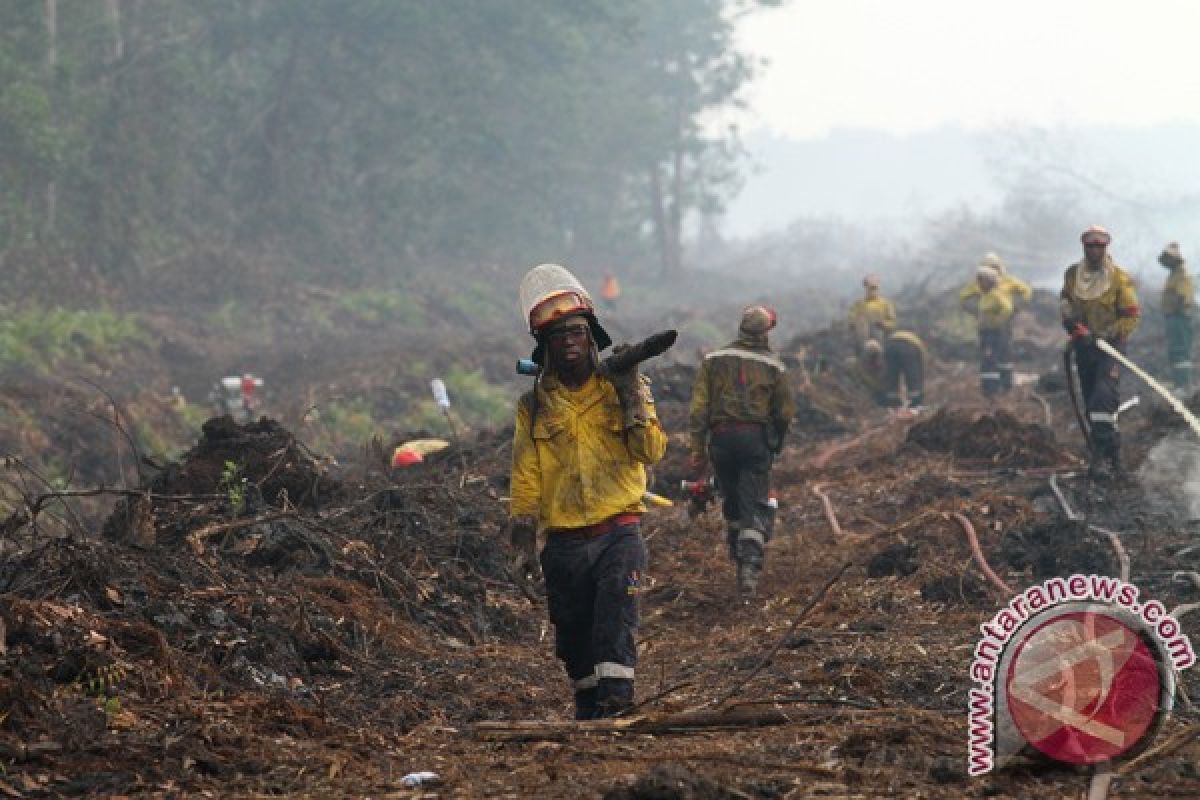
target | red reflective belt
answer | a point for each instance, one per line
(599, 529)
(734, 425)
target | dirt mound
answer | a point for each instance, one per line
(672, 782)
(999, 439)
(1058, 548)
(263, 453)
(358, 608)
(233, 470)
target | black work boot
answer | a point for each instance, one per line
(731, 539)
(1100, 459)
(613, 695)
(585, 704)
(1119, 476)
(747, 580)
(749, 560)
(1100, 470)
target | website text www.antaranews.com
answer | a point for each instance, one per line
(999, 630)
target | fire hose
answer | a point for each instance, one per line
(1172, 401)
(977, 551)
(1069, 374)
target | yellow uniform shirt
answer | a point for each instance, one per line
(1178, 296)
(869, 317)
(1018, 291)
(995, 309)
(873, 379)
(575, 464)
(1104, 301)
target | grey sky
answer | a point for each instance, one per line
(893, 112)
(918, 64)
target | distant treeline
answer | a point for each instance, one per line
(348, 140)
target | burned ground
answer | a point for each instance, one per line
(299, 627)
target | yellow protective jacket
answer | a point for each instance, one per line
(870, 316)
(873, 379)
(742, 382)
(909, 336)
(574, 464)
(1018, 292)
(995, 309)
(1105, 300)
(1178, 297)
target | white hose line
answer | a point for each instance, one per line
(1171, 399)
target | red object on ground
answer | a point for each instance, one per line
(405, 458)
(977, 551)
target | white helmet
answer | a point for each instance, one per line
(549, 292)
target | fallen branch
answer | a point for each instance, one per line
(722, 758)
(1122, 556)
(1194, 577)
(1113, 537)
(1062, 500)
(196, 538)
(977, 551)
(830, 514)
(738, 716)
(684, 720)
(1045, 407)
(40, 501)
(22, 751)
(804, 612)
(1179, 611)
(656, 696)
(833, 449)
(1167, 748)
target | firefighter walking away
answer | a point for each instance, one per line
(741, 407)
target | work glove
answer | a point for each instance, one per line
(522, 535)
(1081, 336)
(629, 391)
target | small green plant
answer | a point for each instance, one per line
(43, 338)
(101, 685)
(350, 420)
(233, 486)
(378, 306)
(193, 416)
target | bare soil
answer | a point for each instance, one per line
(322, 632)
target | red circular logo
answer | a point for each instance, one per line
(1084, 687)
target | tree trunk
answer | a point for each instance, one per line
(112, 9)
(659, 212)
(675, 219)
(51, 14)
